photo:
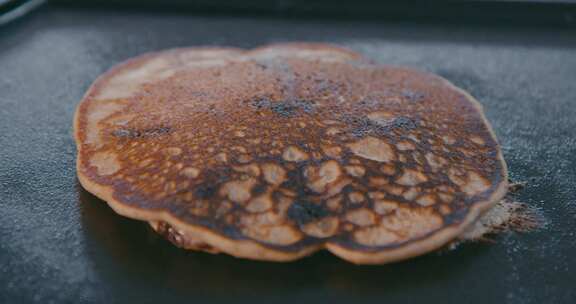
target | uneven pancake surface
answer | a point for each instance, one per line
(280, 151)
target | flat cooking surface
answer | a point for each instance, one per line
(58, 243)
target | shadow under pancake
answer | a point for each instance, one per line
(127, 253)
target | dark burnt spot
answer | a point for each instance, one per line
(303, 212)
(306, 105)
(358, 125)
(412, 96)
(141, 133)
(205, 191)
(294, 174)
(456, 216)
(347, 189)
(258, 189)
(294, 180)
(283, 108)
(289, 108)
(231, 231)
(404, 123)
(261, 65)
(361, 125)
(260, 102)
(297, 182)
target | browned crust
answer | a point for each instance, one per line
(252, 249)
(443, 236)
(239, 248)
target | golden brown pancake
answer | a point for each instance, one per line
(277, 152)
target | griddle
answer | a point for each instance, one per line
(60, 244)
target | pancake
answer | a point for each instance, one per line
(280, 151)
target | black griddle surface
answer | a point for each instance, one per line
(60, 244)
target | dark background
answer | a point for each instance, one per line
(60, 244)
